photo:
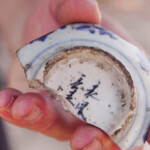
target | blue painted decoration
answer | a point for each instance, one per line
(91, 92)
(92, 29)
(81, 107)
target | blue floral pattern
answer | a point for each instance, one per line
(42, 39)
(92, 29)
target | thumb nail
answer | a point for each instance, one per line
(34, 115)
(94, 145)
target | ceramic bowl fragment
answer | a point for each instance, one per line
(99, 78)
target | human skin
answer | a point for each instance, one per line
(23, 22)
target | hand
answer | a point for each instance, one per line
(38, 111)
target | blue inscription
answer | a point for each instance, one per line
(91, 92)
(74, 87)
(81, 107)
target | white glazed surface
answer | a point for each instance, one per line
(94, 36)
(92, 87)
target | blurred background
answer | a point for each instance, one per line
(133, 15)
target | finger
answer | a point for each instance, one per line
(49, 15)
(91, 138)
(38, 112)
(69, 11)
(7, 98)
(14, 106)
(31, 110)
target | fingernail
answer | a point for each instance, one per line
(5, 101)
(34, 115)
(94, 145)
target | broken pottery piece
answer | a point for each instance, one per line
(99, 78)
